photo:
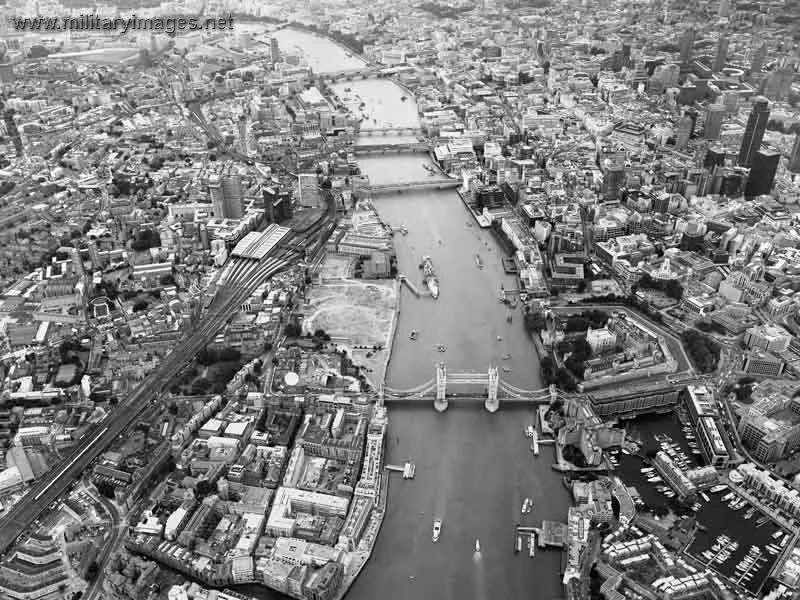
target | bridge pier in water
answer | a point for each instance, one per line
(492, 403)
(440, 402)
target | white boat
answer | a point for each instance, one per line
(705, 497)
(477, 546)
(437, 530)
(718, 488)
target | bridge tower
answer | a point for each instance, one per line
(380, 394)
(440, 403)
(553, 393)
(492, 403)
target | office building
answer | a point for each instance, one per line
(715, 115)
(687, 47)
(7, 73)
(794, 156)
(759, 56)
(277, 203)
(754, 131)
(762, 172)
(771, 427)
(226, 196)
(715, 157)
(683, 131)
(721, 55)
(771, 338)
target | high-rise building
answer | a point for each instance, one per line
(715, 157)
(7, 73)
(759, 56)
(687, 47)
(715, 115)
(226, 196)
(721, 55)
(794, 156)
(233, 197)
(277, 203)
(762, 173)
(683, 131)
(274, 51)
(754, 131)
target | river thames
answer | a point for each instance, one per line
(473, 468)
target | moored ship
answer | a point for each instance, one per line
(429, 276)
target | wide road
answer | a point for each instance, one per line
(48, 489)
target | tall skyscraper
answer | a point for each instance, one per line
(762, 173)
(721, 55)
(715, 115)
(794, 156)
(226, 196)
(233, 196)
(759, 56)
(687, 47)
(274, 51)
(754, 131)
(683, 131)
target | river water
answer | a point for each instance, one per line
(473, 468)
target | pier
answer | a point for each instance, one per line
(414, 289)
(409, 469)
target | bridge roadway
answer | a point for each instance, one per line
(471, 396)
(436, 184)
(228, 300)
(390, 148)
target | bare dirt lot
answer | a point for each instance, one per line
(358, 316)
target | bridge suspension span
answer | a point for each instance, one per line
(495, 389)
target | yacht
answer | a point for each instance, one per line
(718, 488)
(477, 546)
(437, 530)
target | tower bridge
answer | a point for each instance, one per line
(436, 389)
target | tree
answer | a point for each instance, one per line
(292, 330)
(106, 488)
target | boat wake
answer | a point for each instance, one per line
(479, 571)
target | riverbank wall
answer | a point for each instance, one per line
(361, 558)
(398, 293)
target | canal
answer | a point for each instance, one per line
(473, 468)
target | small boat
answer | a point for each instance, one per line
(477, 546)
(479, 261)
(499, 338)
(441, 348)
(509, 317)
(437, 530)
(506, 369)
(411, 577)
(403, 98)
(413, 334)
(506, 356)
